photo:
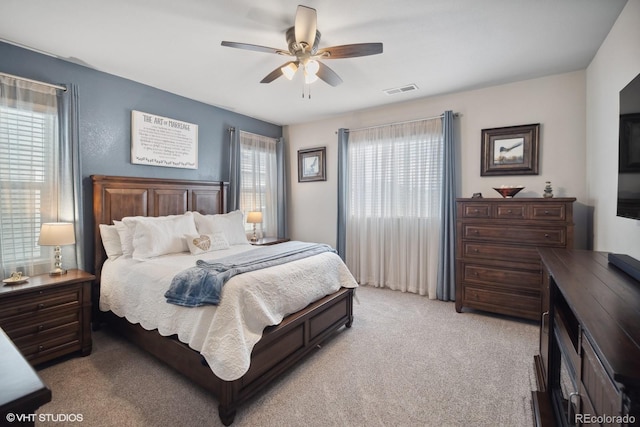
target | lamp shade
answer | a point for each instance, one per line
(254, 217)
(56, 234)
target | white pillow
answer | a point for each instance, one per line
(202, 243)
(162, 235)
(126, 237)
(110, 240)
(231, 224)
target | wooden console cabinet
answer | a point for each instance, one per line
(497, 264)
(49, 316)
(588, 366)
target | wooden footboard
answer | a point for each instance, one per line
(279, 349)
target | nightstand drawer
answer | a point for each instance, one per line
(40, 325)
(64, 343)
(28, 305)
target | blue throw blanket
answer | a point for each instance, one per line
(203, 283)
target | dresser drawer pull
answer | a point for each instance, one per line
(476, 250)
(546, 235)
(509, 211)
(546, 212)
(40, 328)
(476, 211)
(40, 306)
(40, 347)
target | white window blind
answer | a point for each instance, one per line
(28, 155)
(258, 180)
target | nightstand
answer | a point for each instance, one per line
(48, 316)
(266, 241)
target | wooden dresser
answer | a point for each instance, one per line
(49, 316)
(588, 366)
(497, 263)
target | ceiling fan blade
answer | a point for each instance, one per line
(350, 50)
(276, 73)
(254, 47)
(306, 25)
(328, 75)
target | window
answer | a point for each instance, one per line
(393, 188)
(258, 180)
(29, 149)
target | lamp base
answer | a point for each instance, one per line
(57, 272)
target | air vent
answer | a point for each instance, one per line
(396, 90)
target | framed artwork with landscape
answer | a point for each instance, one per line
(311, 164)
(512, 150)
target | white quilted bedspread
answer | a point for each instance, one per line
(223, 334)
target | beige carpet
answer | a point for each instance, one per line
(407, 361)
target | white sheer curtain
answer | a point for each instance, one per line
(33, 175)
(393, 198)
(259, 180)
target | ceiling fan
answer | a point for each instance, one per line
(302, 41)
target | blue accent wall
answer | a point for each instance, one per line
(105, 104)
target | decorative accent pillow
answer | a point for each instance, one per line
(160, 236)
(202, 243)
(127, 227)
(111, 240)
(231, 224)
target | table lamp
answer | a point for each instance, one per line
(254, 218)
(57, 234)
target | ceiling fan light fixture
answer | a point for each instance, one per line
(289, 70)
(312, 67)
(309, 78)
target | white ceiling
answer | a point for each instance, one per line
(442, 46)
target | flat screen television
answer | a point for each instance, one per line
(629, 151)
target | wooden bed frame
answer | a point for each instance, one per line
(281, 346)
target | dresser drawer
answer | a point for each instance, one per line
(549, 211)
(472, 249)
(476, 210)
(498, 301)
(511, 211)
(26, 305)
(547, 236)
(517, 280)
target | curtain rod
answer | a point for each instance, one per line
(402, 123)
(34, 81)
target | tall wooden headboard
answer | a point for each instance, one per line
(115, 197)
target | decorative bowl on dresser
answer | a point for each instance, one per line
(497, 263)
(48, 316)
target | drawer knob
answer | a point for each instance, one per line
(40, 347)
(40, 328)
(476, 250)
(546, 212)
(40, 306)
(509, 211)
(546, 235)
(476, 211)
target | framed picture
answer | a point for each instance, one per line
(311, 164)
(629, 143)
(510, 150)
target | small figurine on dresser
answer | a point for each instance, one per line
(548, 191)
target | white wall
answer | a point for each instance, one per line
(615, 65)
(556, 102)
